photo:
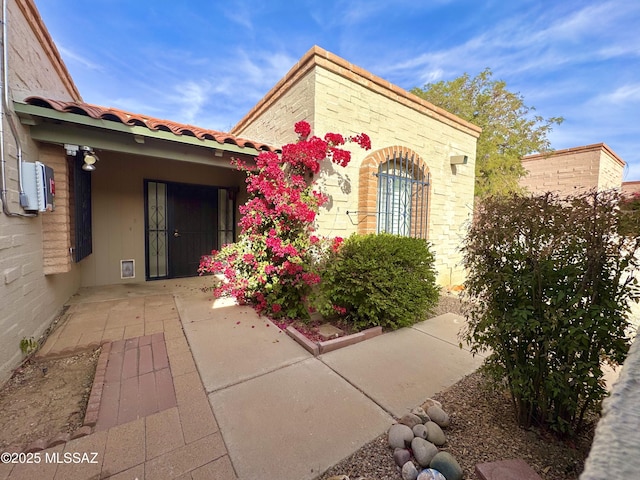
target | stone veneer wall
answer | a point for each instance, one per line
(30, 298)
(573, 170)
(340, 97)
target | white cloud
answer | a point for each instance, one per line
(189, 98)
(71, 55)
(529, 43)
(134, 105)
(258, 71)
(621, 95)
(240, 14)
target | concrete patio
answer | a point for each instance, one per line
(249, 401)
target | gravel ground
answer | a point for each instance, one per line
(483, 429)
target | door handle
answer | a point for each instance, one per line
(176, 233)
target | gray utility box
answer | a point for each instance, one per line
(39, 187)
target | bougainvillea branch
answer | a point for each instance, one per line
(272, 265)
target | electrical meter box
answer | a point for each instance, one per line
(39, 187)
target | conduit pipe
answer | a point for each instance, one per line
(5, 111)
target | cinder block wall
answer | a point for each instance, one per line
(573, 170)
(632, 187)
(343, 98)
(30, 298)
(271, 121)
(347, 106)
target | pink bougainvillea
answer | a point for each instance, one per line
(273, 264)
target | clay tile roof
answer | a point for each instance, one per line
(153, 124)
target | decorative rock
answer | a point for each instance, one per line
(400, 436)
(423, 451)
(430, 402)
(438, 415)
(401, 456)
(421, 431)
(338, 477)
(409, 471)
(328, 331)
(410, 420)
(430, 474)
(419, 411)
(446, 464)
(435, 434)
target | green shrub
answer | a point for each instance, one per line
(549, 285)
(380, 279)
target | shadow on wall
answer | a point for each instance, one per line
(328, 170)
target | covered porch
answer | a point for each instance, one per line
(159, 196)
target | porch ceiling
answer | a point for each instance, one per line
(115, 130)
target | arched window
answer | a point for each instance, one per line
(403, 189)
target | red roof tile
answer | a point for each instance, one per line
(153, 124)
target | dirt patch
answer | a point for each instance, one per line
(45, 398)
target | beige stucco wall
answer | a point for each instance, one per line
(573, 170)
(29, 299)
(118, 209)
(335, 101)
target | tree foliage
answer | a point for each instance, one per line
(549, 286)
(509, 128)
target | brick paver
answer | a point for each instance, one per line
(152, 417)
(137, 381)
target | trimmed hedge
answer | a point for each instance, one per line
(380, 279)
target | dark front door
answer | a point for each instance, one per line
(183, 223)
(192, 229)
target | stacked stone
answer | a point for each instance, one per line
(415, 440)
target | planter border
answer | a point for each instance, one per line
(318, 348)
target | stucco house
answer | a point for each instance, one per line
(139, 199)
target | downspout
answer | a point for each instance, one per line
(5, 111)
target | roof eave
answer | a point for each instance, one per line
(29, 115)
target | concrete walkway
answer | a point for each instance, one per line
(249, 402)
(288, 415)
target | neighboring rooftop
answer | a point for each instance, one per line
(576, 150)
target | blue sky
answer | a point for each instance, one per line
(208, 62)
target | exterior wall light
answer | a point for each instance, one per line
(90, 159)
(458, 159)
